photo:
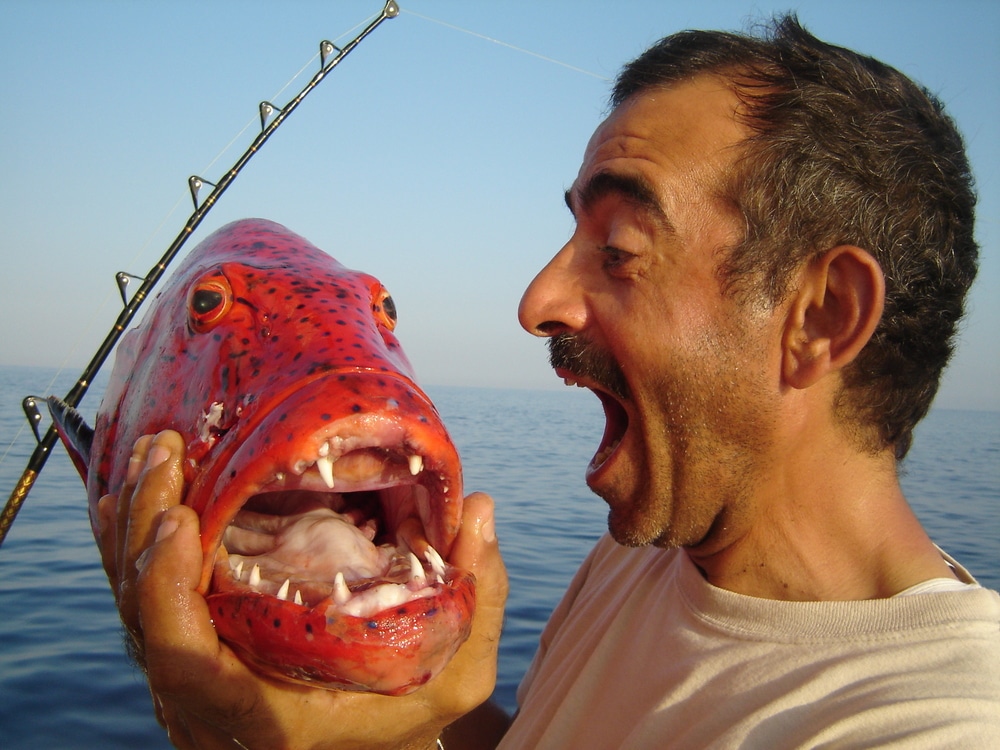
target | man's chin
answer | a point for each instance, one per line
(628, 533)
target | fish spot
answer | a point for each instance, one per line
(277, 623)
(372, 625)
(356, 408)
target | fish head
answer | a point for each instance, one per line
(328, 489)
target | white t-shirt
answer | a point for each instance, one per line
(644, 653)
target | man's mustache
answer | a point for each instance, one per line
(582, 358)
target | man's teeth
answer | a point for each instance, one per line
(601, 456)
(366, 602)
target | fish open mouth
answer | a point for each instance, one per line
(326, 539)
(348, 535)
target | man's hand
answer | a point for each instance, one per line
(205, 696)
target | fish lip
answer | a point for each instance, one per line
(239, 467)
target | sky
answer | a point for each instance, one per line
(434, 157)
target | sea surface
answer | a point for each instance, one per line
(65, 682)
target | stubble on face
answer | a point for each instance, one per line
(703, 427)
(711, 418)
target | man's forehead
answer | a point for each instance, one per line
(683, 128)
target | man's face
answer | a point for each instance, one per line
(635, 305)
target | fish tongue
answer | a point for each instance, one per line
(315, 545)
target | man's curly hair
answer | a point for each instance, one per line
(844, 150)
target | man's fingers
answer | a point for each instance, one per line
(107, 538)
(176, 624)
(476, 549)
(136, 464)
(156, 467)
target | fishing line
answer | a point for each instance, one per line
(64, 365)
(271, 117)
(505, 44)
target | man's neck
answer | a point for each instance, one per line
(826, 525)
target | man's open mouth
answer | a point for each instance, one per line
(616, 421)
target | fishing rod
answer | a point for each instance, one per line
(271, 117)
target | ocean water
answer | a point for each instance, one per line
(65, 682)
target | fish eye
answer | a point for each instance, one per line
(203, 301)
(385, 309)
(208, 302)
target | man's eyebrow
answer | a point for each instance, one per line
(634, 189)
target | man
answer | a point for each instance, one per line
(774, 238)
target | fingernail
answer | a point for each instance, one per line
(167, 527)
(135, 465)
(157, 455)
(140, 561)
(489, 531)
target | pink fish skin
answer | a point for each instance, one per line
(280, 368)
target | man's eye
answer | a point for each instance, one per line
(614, 257)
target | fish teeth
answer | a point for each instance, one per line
(283, 591)
(238, 570)
(324, 464)
(298, 597)
(416, 464)
(341, 594)
(417, 575)
(254, 579)
(437, 564)
(324, 449)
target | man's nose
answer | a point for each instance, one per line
(553, 302)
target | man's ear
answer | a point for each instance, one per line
(832, 315)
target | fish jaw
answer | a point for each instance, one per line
(399, 612)
(392, 652)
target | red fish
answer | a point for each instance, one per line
(313, 461)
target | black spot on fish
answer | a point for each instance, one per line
(277, 623)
